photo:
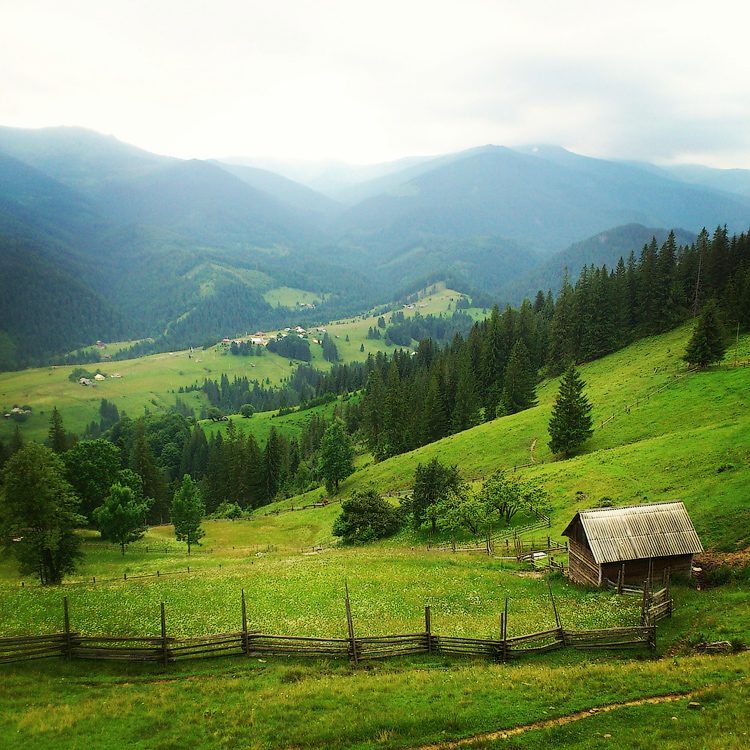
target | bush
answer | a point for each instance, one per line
(228, 510)
(366, 517)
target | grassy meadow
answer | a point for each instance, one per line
(153, 382)
(689, 441)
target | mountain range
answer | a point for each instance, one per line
(183, 250)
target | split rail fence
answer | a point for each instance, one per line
(164, 649)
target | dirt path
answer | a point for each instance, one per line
(547, 723)
(531, 450)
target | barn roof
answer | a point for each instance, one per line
(636, 532)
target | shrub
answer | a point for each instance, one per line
(365, 517)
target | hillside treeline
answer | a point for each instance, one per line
(151, 454)
(414, 398)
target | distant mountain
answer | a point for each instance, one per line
(547, 199)
(330, 177)
(79, 158)
(383, 184)
(482, 263)
(41, 213)
(729, 180)
(314, 204)
(205, 203)
(605, 248)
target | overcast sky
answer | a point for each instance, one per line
(663, 80)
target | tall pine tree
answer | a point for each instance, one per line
(570, 425)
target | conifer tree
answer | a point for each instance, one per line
(708, 342)
(570, 424)
(187, 513)
(273, 467)
(336, 456)
(519, 390)
(56, 437)
(492, 365)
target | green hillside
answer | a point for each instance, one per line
(690, 440)
(153, 382)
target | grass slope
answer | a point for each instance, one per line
(153, 382)
(690, 441)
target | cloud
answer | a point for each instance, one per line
(363, 82)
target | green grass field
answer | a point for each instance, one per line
(690, 441)
(153, 382)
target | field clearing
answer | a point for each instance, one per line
(153, 382)
(287, 296)
(289, 593)
(254, 703)
(260, 423)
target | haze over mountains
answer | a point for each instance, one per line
(183, 250)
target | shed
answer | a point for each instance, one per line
(603, 542)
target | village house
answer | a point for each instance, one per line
(634, 540)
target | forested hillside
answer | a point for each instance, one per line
(175, 253)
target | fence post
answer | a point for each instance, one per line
(505, 631)
(350, 626)
(643, 603)
(453, 543)
(164, 646)
(245, 640)
(428, 627)
(68, 642)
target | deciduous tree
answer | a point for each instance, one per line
(366, 517)
(122, 518)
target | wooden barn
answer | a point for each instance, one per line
(652, 537)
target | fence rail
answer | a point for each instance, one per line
(165, 649)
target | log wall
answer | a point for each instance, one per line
(581, 565)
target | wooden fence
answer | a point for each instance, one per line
(164, 649)
(655, 605)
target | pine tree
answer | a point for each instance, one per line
(187, 512)
(570, 424)
(708, 342)
(57, 439)
(273, 466)
(519, 390)
(336, 456)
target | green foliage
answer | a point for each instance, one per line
(187, 513)
(500, 497)
(504, 495)
(432, 481)
(38, 514)
(336, 461)
(92, 467)
(460, 508)
(122, 517)
(708, 342)
(570, 424)
(365, 517)
(57, 438)
(247, 411)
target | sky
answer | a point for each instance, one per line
(663, 81)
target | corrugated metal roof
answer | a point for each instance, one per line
(636, 532)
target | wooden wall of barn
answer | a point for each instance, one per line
(636, 571)
(581, 565)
